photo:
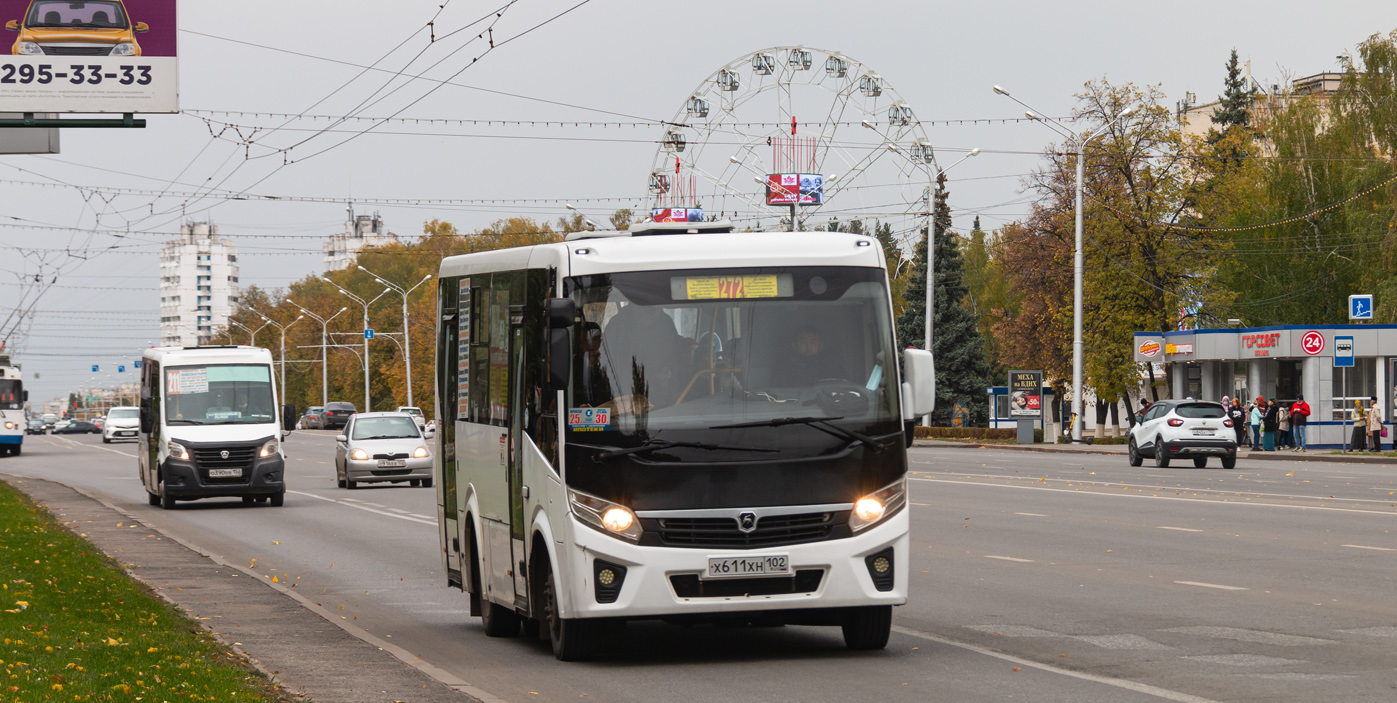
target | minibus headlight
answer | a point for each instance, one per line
(605, 515)
(11, 426)
(359, 455)
(420, 453)
(177, 451)
(872, 508)
(269, 449)
(123, 49)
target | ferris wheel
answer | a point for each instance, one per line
(796, 110)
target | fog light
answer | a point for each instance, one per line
(880, 569)
(881, 565)
(608, 577)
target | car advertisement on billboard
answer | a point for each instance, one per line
(93, 56)
(795, 188)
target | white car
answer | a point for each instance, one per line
(1185, 429)
(416, 414)
(121, 423)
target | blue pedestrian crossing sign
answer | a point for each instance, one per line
(94, 368)
(138, 363)
(1360, 307)
(368, 334)
(121, 369)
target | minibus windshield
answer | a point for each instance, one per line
(224, 394)
(720, 350)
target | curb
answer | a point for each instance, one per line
(1013, 448)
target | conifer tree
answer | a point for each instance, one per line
(1234, 105)
(961, 373)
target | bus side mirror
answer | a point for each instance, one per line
(562, 312)
(288, 417)
(26, 396)
(918, 383)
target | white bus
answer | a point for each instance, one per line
(210, 426)
(676, 422)
(13, 423)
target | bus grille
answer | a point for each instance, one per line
(691, 586)
(722, 532)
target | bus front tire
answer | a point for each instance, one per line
(573, 639)
(278, 499)
(868, 627)
(167, 501)
(152, 498)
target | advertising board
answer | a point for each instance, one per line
(93, 56)
(1025, 394)
(676, 214)
(795, 189)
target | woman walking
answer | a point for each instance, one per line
(1239, 420)
(1255, 421)
(1359, 441)
(1269, 423)
(1375, 428)
(1283, 423)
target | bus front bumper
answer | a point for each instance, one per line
(669, 581)
(183, 480)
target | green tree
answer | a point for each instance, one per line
(956, 343)
(1235, 103)
(988, 298)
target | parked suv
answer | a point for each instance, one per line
(1186, 429)
(336, 415)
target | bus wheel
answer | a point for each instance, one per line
(426, 483)
(573, 639)
(868, 627)
(152, 498)
(498, 620)
(167, 501)
(278, 499)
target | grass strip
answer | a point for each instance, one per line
(75, 627)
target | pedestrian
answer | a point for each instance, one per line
(1283, 425)
(1359, 441)
(1254, 418)
(1299, 419)
(1270, 422)
(1375, 426)
(1239, 420)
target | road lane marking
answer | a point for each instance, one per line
(88, 446)
(1258, 636)
(1118, 683)
(1014, 631)
(1128, 642)
(1379, 631)
(1244, 660)
(1144, 487)
(1025, 561)
(425, 517)
(1033, 514)
(1080, 492)
(1210, 585)
(1376, 549)
(409, 518)
(924, 505)
(1180, 529)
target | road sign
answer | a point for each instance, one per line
(138, 363)
(121, 369)
(368, 334)
(94, 368)
(1343, 352)
(1360, 307)
(1312, 343)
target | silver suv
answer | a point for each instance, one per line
(1185, 429)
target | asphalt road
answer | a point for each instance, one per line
(1099, 582)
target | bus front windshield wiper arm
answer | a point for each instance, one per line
(820, 423)
(655, 444)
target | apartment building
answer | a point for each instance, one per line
(342, 248)
(198, 285)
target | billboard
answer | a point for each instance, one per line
(1025, 394)
(89, 56)
(676, 214)
(795, 188)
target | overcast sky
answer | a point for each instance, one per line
(638, 58)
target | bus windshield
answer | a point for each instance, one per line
(709, 349)
(226, 394)
(11, 395)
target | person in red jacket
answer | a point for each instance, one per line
(1299, 418)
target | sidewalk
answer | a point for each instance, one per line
(1121, 449)
(291, 639)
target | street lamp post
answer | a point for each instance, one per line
(407, 341)
(324, 353)
(931, 259)
(250, 333)
(366, 305)
(1077, 257)
(281, 327)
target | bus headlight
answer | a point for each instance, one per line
(875, 506)
(605, 515)
(359, 455)
(268, 449)
(420, 453)
(177, 451)
(11, 426)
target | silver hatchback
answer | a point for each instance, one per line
(382, 448)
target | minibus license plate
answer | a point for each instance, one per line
(747, 567)
(391, 464)
(225, 473)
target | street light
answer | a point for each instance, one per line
(931, 258)
(407, 341)
(324, 354)
(283, 347)
(366, 305)
(250, 334)
(569, 206)
(1078, 255)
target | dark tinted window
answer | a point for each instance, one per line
(1202, 411)
(341, 406)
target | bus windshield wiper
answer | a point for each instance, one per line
(184, 422)
(655, 444)
(820, 423)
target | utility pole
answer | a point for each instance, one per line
(366, 305)
(324, 352)
(281, 327)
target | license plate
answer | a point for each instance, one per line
(126, 434)
(392, 464)
(1203, 430)
(747, 567)
(225, 473)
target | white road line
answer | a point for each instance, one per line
(1025, 561)
(1180, 529)
(88, 446)
(924, 505)
(1210, 585)
(1376, 549)
(1152, 487)
(1033, 514)
(1118, 683)
(409, 518)
(425, 517)
(1178, 498)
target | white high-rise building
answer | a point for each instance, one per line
(342, 248)
(198, 286)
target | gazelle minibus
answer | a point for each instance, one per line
(675, 422)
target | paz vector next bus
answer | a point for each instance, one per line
(675, 422)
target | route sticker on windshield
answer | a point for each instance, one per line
(186, 381)
(589, 419)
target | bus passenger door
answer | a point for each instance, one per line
(520, 393)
